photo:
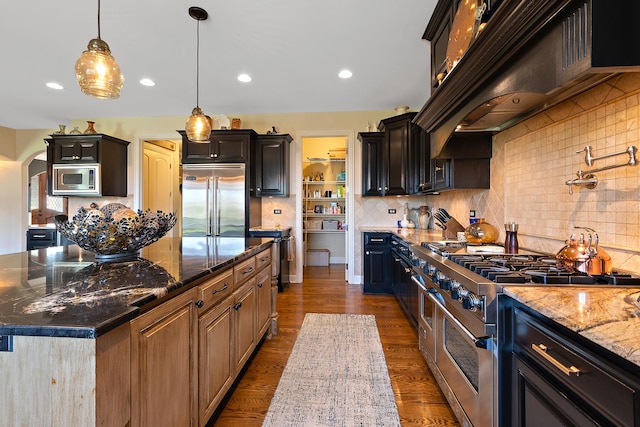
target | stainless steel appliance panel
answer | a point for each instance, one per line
(213, 200)
(467, 363)
(76, 180)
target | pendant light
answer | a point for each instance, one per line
(97, 72)
(198, 126)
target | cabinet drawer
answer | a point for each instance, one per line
(42, 235)
(599, 383)
(214, 290)
(244, 270)
(371, 239)
(263, 258)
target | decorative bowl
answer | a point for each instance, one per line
(114, 230)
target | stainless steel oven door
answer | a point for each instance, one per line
(468, 366)
(426, 320)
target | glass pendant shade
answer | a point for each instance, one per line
(198, 126)
(97, 71)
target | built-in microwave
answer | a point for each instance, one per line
(76, 180)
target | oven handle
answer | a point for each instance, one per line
(482, 342)
(414, 277)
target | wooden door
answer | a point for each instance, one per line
(157, 169)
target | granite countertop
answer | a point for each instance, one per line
(62, 291)
(604, 315)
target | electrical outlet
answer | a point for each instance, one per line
(277, 211)
(391, 211)
(6, 343)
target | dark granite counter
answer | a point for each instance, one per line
(64, 292)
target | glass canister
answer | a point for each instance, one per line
(481, 232)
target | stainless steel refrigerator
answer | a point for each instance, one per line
(216, 201)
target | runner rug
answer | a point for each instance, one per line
(336, 376)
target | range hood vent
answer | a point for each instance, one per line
(532, 55)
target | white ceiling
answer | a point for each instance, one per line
(293, 49)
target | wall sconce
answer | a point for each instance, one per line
(97, 72)
(198, 126)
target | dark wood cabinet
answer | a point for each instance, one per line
(377, 263)
(465, 163)
(109, 152)
(394, 159)
(558, 378)
(270, 170)
(224, 146)
(77, 150)
(421, 162)
(94, 148)
(396, 165)
(372, 184)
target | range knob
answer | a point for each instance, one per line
(459, 293)
(455, 286)
(445, 284)
(472, 302)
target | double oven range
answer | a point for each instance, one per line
(458, 318)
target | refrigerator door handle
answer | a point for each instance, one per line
(208, 207)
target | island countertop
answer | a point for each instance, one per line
(65, 292)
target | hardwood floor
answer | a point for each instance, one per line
(419, 400)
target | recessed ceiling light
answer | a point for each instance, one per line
(345, 74)
(147, 82)
(54, 85)
(244, 78)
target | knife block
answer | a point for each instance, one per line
(452, 227)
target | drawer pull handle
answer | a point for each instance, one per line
(260, 285)
(199, 303)
(237, 306)
(249, 271)
(215, 291)
(541, 349)
(38, 236)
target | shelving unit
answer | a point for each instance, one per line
(324, 203)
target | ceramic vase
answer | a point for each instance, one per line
(90, 129)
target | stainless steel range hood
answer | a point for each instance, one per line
(532, 55)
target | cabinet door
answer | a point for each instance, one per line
(216, 365)
(229, 147)
(163, 358)
(537, 403)
(396, 153)
(263, 293)
(78, 150)
(272, 165)
(421, 158)
(441, 173)
(244, 322)
(376, 265)
(196, 152)
(372, 163)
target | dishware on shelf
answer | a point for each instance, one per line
(75, 131)
(61, 130)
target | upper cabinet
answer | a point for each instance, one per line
(224, 146)
(371, 162)
(84, 165)
(271, 167)
(395, 161)
(94, 148)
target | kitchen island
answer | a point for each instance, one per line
(153, 340)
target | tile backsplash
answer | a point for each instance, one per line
(532, 161)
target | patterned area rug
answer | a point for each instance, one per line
(336, 376)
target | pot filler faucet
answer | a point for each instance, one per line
(587, 178)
